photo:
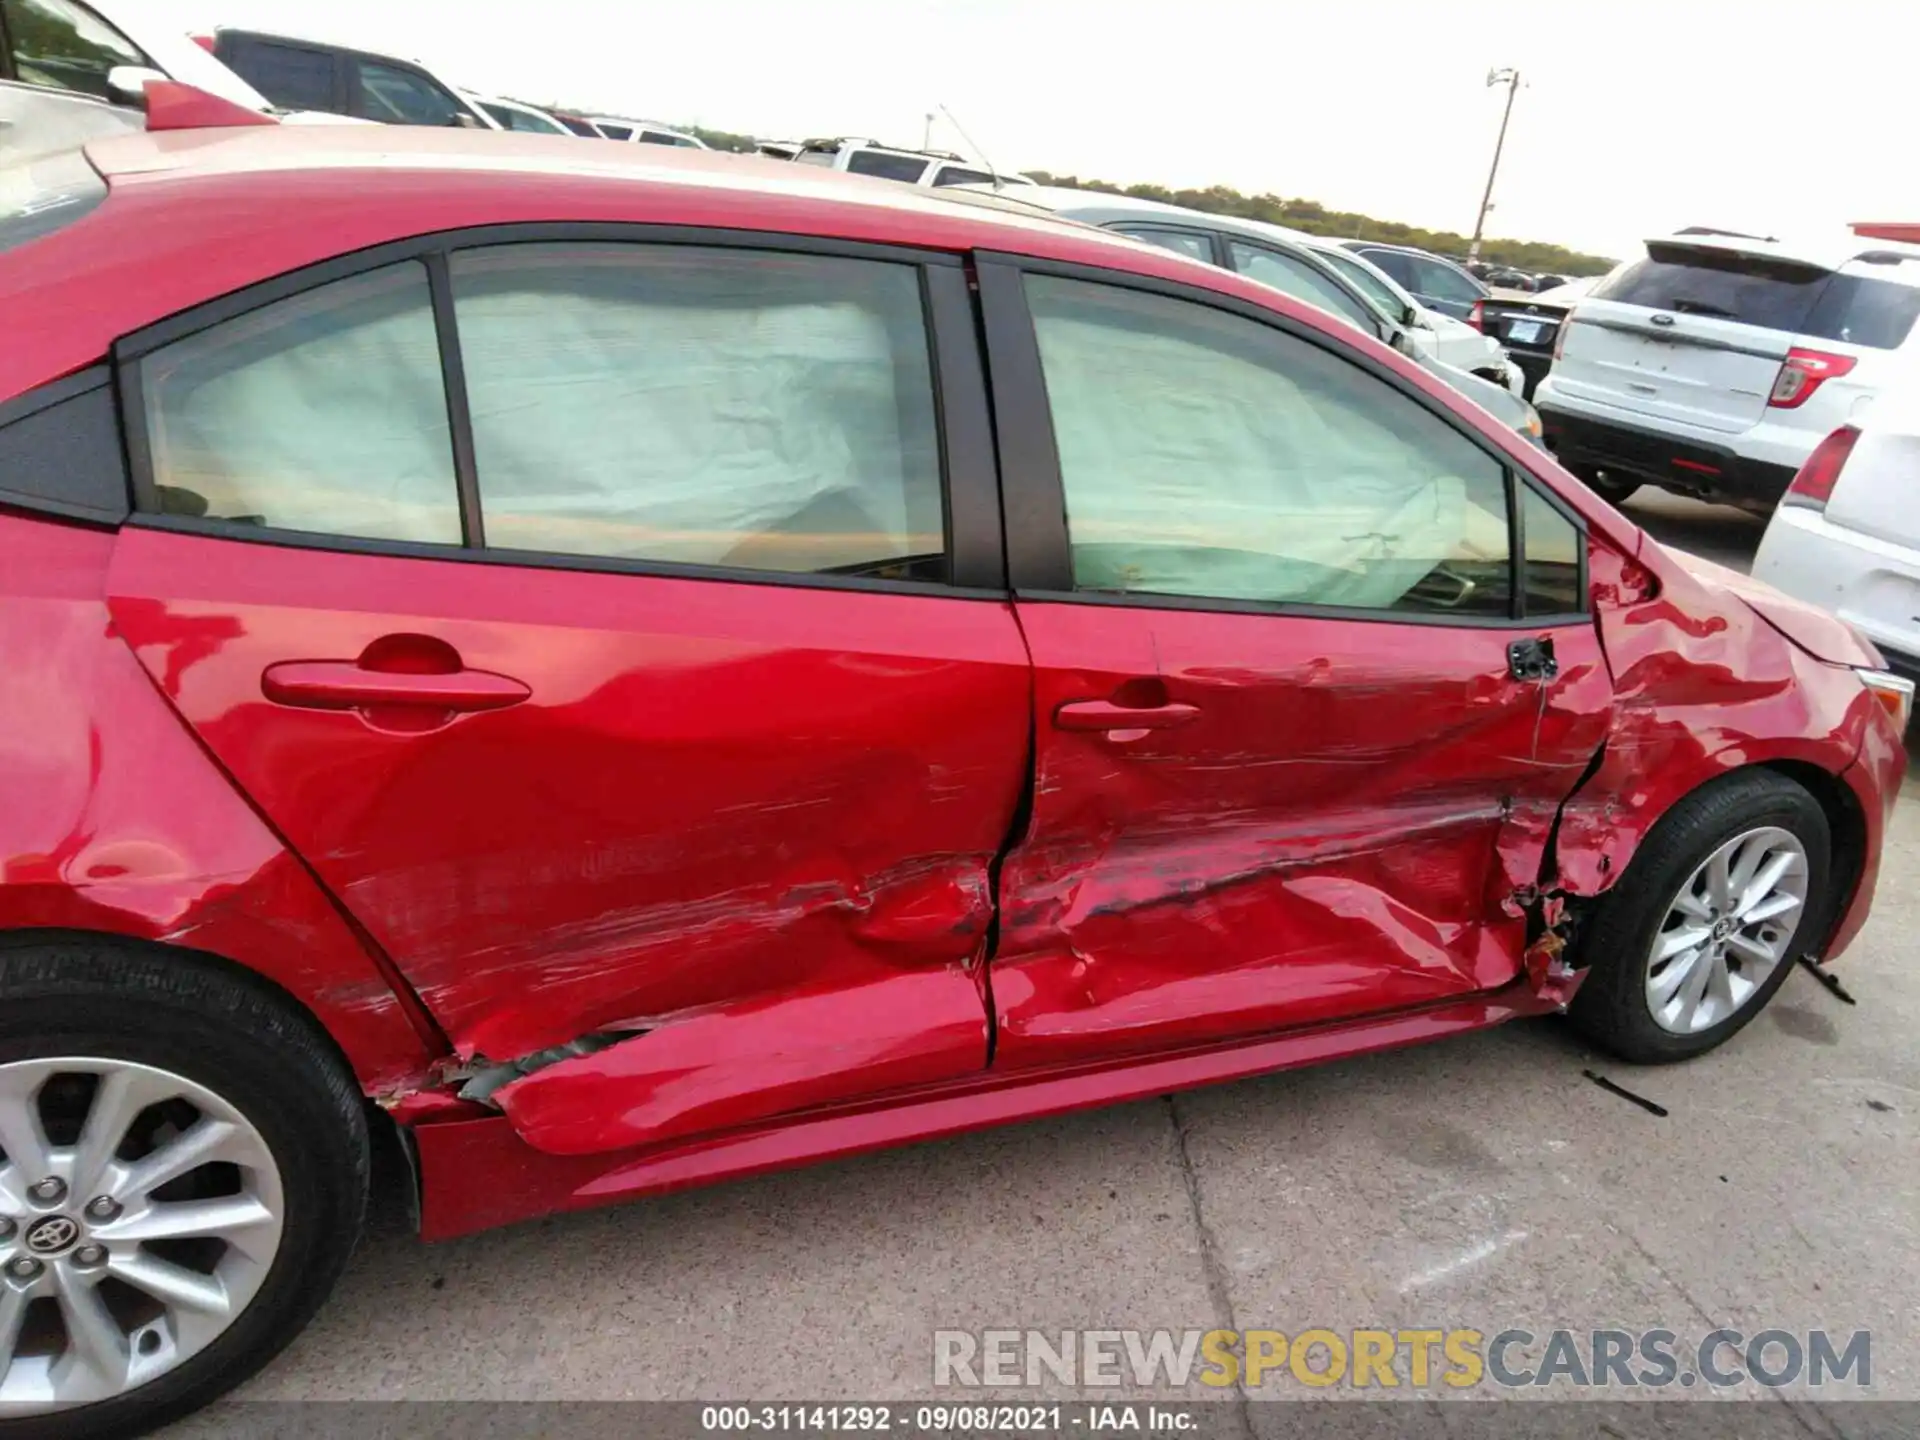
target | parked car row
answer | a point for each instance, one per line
(1313, 270)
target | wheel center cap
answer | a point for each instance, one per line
(1723, 927)
(52, 1235)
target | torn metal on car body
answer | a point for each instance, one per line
(1320, 839)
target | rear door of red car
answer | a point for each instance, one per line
(1302, 718)
(636, 669)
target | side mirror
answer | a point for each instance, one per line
(127, 84)
(1412, 319)
(467, 122)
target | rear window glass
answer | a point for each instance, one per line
(1752, 289)
(888, 167)
(42, 196)
(1772, 293)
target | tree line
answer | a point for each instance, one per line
(1535, 256)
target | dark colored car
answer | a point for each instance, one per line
(632, 671)
(1528, 326)
(298, 74)
(1438, 284)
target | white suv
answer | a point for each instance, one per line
(1847, 533)
(938, 168)
(1714, 366)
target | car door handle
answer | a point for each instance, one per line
(1105, 715)
(347, 685)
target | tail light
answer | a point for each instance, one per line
(1477, 317)
(205, 42)
(1813, 486)
(1802, 373)
(1560, 336)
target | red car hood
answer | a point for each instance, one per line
(1823, 636)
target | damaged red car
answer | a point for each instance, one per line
(629, 670)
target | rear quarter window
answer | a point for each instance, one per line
(1860, 310)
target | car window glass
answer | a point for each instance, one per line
(1365, 280)
(1446, 282)
(323, 412)
(615, 132)
(1394, 263)
(1300, 280)
(516, 119)
(1763, 290)
(1182, 242)
(704, 406)
(1554, 544)
(888, 167)
(1860, 310)
(1205, 454)
(961, 175)
(579, 126)
(58, 43)
(291, 76)
(404, 98)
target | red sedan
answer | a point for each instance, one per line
(637, 668)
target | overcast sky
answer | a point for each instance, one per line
(1635, 117)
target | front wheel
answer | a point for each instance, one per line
(1707, 921)
(184, 1176)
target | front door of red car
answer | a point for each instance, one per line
(1297, 707)
(641, 683)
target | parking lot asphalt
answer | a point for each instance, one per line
(1483, 1182)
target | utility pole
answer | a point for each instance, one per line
(1511, 79)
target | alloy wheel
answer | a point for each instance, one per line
(1727, 931)
(139, 1214)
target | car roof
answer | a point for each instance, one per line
(1829, 251)
(196, 213)
(1110, 206)
(192, 215)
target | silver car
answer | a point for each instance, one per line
(1270, 255)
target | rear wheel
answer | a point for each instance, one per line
(1706, 923)
(184, 1175)
(1610, 487)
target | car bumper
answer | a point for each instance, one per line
(1693, 466)
(1533, 366)
(1872, 584)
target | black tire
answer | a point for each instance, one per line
(1614, 489)
(243, 1041)
(1611, 1007)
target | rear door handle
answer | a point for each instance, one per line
(1105, 715)
(346, 685)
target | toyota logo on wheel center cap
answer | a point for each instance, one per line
(52, 1235)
